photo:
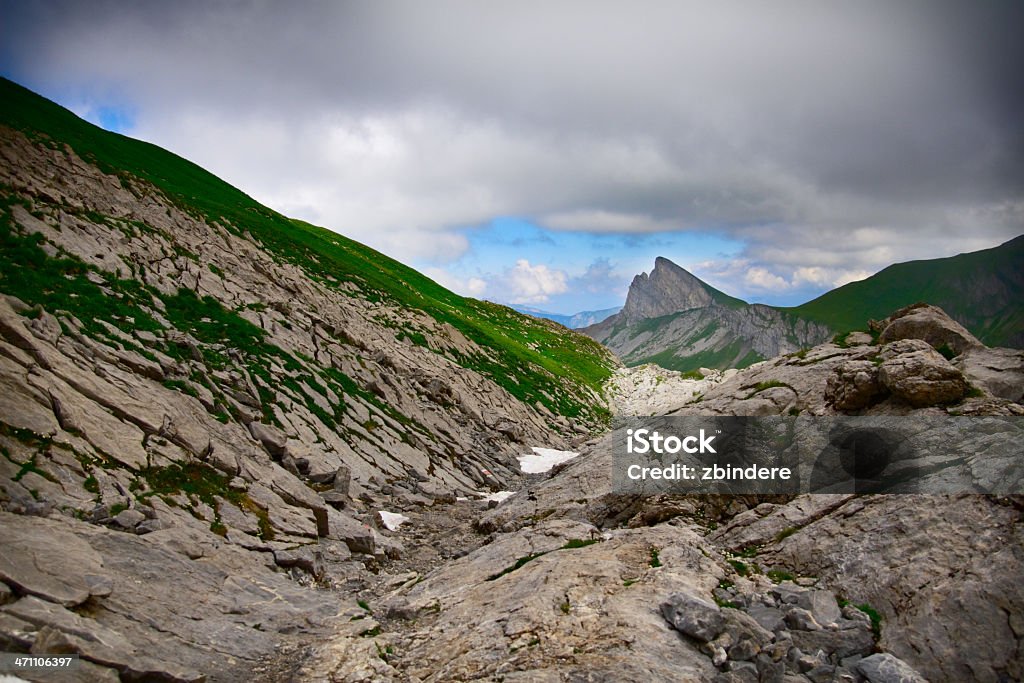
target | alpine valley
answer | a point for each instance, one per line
(239, 447)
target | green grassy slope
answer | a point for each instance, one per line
(981, 289)
(532, 359)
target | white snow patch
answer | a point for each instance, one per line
(392, 520)
(543, 459)
(499, 496)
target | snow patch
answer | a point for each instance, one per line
(499, 496)
(543, 459)
(392, 520)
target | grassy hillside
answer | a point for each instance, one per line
(981, 289)
(532, 359)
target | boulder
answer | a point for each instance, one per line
(922, 378)
(930, 324)
(270, 437)
(885, 668)
(853, 385)
(693, 616)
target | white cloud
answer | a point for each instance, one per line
(850, 276)
(760, 278)
(472, 286)
(831, 139)
(532, 284)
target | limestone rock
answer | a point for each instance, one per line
(853, 385)
(697, 618)
(930, 324)
(884, 668)
(999, 372)
(922, 378)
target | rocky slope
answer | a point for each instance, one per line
(681, 323)
(202, 403)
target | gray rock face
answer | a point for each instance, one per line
(668, 289)
(999, 372)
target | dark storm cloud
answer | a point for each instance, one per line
(851, 131)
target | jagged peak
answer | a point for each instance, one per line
(669, 288)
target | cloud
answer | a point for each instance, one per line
(601, 277)
(472, 286)
(830, 138)
(531, 284)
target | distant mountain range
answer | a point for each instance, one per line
(676, 320)
(574, 321)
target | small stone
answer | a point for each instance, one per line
(745, 650)
(127, 519)
(800, 619)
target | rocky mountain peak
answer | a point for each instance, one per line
(668, 289)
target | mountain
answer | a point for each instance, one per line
(573, 321)
(186, 374)
(675, 320)
(982, 290)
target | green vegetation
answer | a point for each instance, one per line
(778, 575)
(518, 565)
(761, 386)
(569, 545)
(876, 619)
(532, 359)
(873, 615)
(200, 481)
(733, 355)
(786, 533)
(946, 282)
(655, 560)
(740, 567)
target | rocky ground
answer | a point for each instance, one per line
(567, 581)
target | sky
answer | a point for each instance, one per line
(544, 153)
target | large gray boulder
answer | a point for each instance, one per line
(930, 324)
